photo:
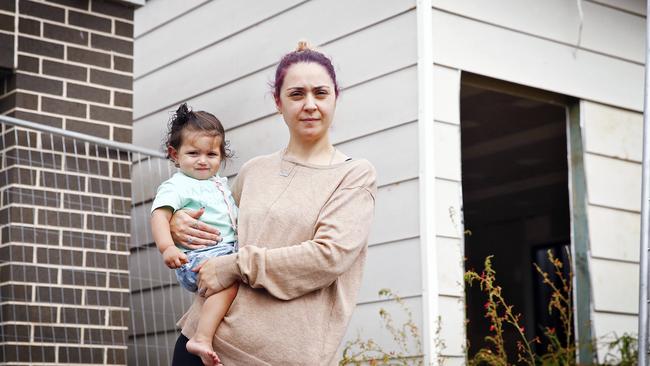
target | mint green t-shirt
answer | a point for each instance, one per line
(184, 192)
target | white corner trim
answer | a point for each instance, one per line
(427, 181)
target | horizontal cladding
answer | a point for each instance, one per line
(196, 74)
(502, 53)
(602, 29)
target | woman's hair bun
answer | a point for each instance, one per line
(182, 113)
(303, 46)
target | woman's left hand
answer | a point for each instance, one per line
(207, 277)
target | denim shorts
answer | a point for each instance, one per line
(186, 277)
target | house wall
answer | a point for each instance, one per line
(613, 154)
(225, 69)
(598, 59)
(64, 203)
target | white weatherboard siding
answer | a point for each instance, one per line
(158, 12)
(226, 71)
(507, 54)
(535, 43)
(613, 172)
(449, 222)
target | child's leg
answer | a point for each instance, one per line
(212, 312)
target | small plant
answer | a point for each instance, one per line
(360, 352)
(500, 315)
(559, 352)
(622, 351)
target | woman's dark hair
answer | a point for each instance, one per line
(302, 54)
(187, 120)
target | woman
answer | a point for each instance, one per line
(305, 214)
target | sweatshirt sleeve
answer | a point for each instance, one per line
(288, 272)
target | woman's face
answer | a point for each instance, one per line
(307, 101)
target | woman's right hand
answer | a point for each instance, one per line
(191, 233)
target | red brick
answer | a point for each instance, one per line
(84, 240)
(23, 353)
(17, 253)
(14, 333)
(88, 93)
(57, 256)
(32, 197)
(109, 187)
(7, 23)
(79, 4)
(85, 203)
(29, 26)
(39, 84)
(88, 128)
(39, 118)
(26, 101)
(122, 64)
(65, 34)
(119, 318)
(63, 181)
(122, 134)
(82, 316)
(89, 21)
(111, 224)
(59, 106)
(69, 355)
(118, 280)
(63, 219)
(16, 215)
(28, 313)
(65, 70)
(30, 64)
(122, 171)
(7, 50)
(27, 273)
(33, 158)
(107, 260)
(83, 278)
(82, 165)
(104, 336)
(18, 175)
(111, 115)
(89, 57)
(29, 235)
(8, 5)
(111, 44)
(116, 356)
(13, 292)
(41, 10)
(111, 79)
(123, 29)
(52, 334)
(107, 298)
(15, 137)
(38, 47)
(59, 295)
(119, 243)
(123, 99)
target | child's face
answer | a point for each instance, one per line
(198, 156)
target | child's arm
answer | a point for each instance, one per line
(172, 256)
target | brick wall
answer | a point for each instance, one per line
(65, 204)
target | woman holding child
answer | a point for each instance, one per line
(304, 218)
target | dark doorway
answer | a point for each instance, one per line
(515, 199)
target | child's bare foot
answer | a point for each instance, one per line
(204, 350)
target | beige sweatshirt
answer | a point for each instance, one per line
(303, 233)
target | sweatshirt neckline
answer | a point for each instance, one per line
(289, 159)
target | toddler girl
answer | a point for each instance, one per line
(196, 144)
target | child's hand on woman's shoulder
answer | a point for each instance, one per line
(174, 258)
